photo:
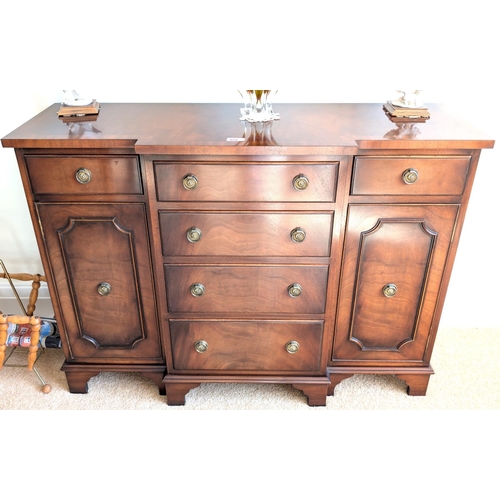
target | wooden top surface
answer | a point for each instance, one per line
(205, 129)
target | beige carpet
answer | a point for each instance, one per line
(466, 362)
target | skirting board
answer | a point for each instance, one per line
(9, 304)
(23, 290)
(43, 307)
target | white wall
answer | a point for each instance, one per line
(200, 52)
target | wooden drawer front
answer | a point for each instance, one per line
(246, 345)
(386, 175)
(251, 289)
(245, 182)
(97, 174)
(246, 234)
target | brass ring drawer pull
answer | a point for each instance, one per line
(201, 346)
(103, 288)
(390, 290)
(193, 234)
(410, 176)
(190, 182)
(300, 182)
(292, 347)
(294, 290)
(197, 289)
(298, 235)
(83, 175)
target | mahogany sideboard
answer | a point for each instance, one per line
(184, 244)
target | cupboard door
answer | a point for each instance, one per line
(100, 258)
(394, 261)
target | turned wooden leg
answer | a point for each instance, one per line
(3, 337)
(417, 383)
(316, 393)
(335, 379)
(176, 392)
(35, 323)
(35, 286)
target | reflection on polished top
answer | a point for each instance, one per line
(216, 128)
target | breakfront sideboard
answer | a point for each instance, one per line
(184, 244)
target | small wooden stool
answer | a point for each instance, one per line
(27, 318)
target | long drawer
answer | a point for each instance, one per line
(246, 289)
(244, 182)
(84, 175)
(246, 345)
(416, 176)
(246, 234)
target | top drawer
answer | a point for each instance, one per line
(410, 175)
(246, 182)
(84, 175)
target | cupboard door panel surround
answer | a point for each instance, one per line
(321, 252)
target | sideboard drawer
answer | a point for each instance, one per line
(246, 345)
(246, 234)
(246, 182)
(247, 289)
(410, 175)
(84, 175)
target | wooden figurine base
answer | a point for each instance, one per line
(91, 109)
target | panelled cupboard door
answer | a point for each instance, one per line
(393, 266)
(100, 257)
